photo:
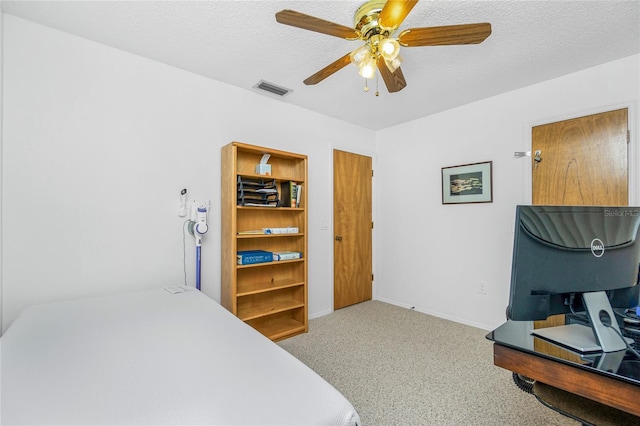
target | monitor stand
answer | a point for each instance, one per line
(600, 336)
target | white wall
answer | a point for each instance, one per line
(435, 256)
(1, 150)
(97, 145)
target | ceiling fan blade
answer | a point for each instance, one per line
(446, 35)
(393, 80)
(329, 70)
(394, 12)
(311, 23)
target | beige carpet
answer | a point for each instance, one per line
(398, 366)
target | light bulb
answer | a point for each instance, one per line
(389, 48)
(368, 68)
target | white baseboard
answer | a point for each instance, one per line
(320, 314)
(436, 314)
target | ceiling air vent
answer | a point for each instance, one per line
(272, 88)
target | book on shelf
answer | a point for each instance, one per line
(287, 230)
(298, 192)
(286, 255)
(294, 193)
(268, 231)
(251, 232)
(259, 205)
(250, 257)
(288, 190)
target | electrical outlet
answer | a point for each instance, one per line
(482, 287)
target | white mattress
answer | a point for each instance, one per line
(156, 358)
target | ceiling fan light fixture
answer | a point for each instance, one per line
(389, 48)
(394, 63)
(368, 68)
(359, 55)
(375, 23)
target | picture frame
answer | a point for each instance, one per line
(468, 183)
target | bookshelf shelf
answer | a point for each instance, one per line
(278, 327)
(266, 309)
(270, 296)
(249, 236)
(263, 287)
(273, 209)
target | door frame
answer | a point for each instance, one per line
(634, 146)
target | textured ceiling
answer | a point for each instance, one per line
(240, 43)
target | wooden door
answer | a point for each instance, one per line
(352, 226)
(582, 161)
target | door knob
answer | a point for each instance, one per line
(338, 238)
(537, 156)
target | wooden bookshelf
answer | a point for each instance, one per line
(272, 296)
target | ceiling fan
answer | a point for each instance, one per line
(375, 23)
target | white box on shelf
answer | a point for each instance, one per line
(263, 169)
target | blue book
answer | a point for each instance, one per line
(249, 257)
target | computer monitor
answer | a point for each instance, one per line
(576, 258)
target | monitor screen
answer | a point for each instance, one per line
(561, 253)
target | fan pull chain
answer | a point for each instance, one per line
(366, 87)
(377, 93)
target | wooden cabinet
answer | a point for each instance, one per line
(272, 296)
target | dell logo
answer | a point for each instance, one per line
(597, 247)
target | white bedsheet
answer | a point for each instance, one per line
(156, 358)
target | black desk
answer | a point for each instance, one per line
(590, 376)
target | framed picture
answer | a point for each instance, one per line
(468, 183)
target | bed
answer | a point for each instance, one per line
(161, 357)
